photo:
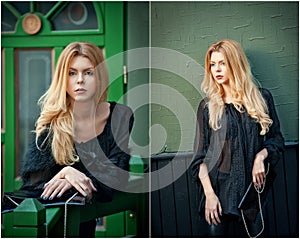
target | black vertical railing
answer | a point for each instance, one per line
(174, 207)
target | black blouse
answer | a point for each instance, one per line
(230, 151)
(104, 159)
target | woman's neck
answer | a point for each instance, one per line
(227, 97)
(90, 120)
(83, 111)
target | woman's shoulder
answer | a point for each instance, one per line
(120, 113)
(203, 104)
(121, 116)
(120, 109)
(266, 94)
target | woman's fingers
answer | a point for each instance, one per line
(80, 181)
(80, 189)
(213, 210)
(212, 217)
(85, 188)
(55, 187)
(92, 186)
(216, 217)
(48, 189)
(258, 179)
(64, 189)
(207, 216)
(258, 172)
(67, 178)
(220, 208)
(216, 213)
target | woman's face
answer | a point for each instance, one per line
(218, 68)
(82, 84)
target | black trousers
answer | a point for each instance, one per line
(231, 226)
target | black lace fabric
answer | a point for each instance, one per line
(104, 159)
(229, 152)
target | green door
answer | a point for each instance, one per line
(33, 36)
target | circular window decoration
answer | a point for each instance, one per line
(31, 24)
(77, 13)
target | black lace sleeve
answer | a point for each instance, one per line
(202, 138)
(39, 165)
(121, 127)
(274, 142)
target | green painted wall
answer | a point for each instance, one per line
(268, 32)
(137, 43)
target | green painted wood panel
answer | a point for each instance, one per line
(114, 31)
(10, 127)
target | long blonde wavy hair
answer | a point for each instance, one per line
(56, 111)
(245, 94)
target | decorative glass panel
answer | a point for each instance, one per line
(44, 7)
(34, 77)
(22, 7)
(8, 20)
(76, 16)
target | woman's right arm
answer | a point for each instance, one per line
(39, 165)
(40, 172)
(212, 204)
(199, 168)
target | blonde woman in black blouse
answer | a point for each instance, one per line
(244, 119)
(81, 138)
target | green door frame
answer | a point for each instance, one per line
(110, 35)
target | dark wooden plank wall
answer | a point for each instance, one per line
(174, 208)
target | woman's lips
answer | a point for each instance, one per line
(219, 77)
(79, 91)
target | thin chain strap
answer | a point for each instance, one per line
(261, 216)
(259, 191)
(46, 227)
(12, 200)
(65, 216)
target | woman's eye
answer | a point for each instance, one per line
(89, 73)
(72, 73)
(212, 64)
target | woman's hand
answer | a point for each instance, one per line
(212, 204)
(258, 170)
(212, 209)
(78, 180)
(55, 188)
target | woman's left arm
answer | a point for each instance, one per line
(273, 145)
(274, 141)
